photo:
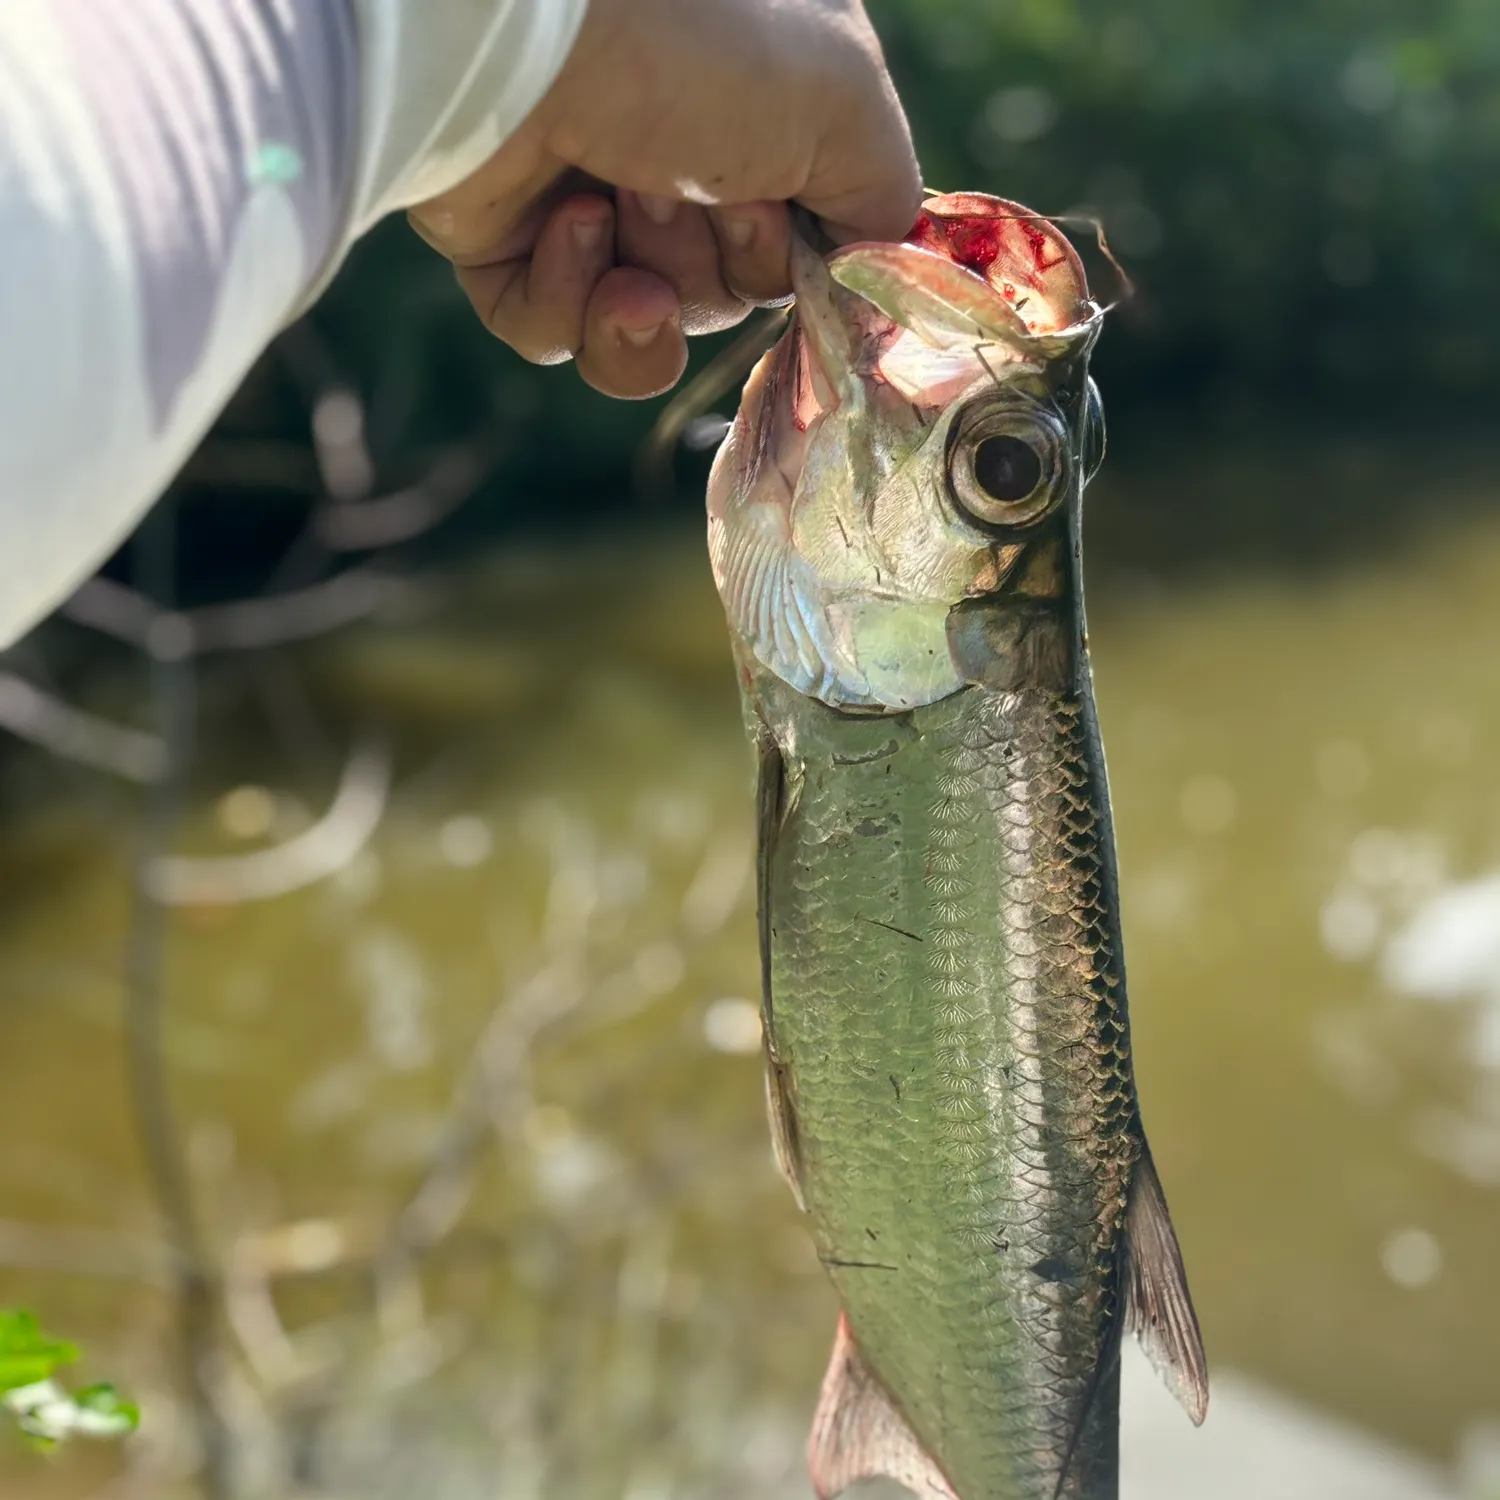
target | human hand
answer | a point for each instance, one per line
(645, 198)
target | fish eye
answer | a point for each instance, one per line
(1004, 464)
(1006, 468)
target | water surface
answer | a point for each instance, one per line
(567, 1268)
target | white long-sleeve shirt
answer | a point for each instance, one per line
(177, 179)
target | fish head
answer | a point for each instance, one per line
(924, 416)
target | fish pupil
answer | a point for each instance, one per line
(1007, 468)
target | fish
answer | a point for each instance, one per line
(894, 531)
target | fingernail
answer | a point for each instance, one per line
(640, 337)
(587, 233)
(658, 209)
(739, 229)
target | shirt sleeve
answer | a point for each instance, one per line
(177, 179)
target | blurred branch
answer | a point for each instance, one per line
(251, 1313)
(494, 1097)
(75, 735)
(406, 513)
(291, 712)
(244, 625)
(230, 1288)
(491, 1100)
(113, 609)
(351, 519)
(653, 464)
(260, 463)
(348, 522)
(304, 1247)
(338, 429)
(313, 855)
(173, 687)
(83, 1252)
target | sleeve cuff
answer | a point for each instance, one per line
(444, 85)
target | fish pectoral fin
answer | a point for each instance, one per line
(858, 1432)
(771, 798)
(770, 810)
(827, 339)
(783, 1118)
(1158, 1306)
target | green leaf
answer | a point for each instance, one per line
(44, 1411)
(27, 1355)
(105, 1412)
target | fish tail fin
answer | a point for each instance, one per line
(859, 1432)
(1158, 1306)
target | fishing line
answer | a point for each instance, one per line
(989, 369)
(653, 463)
(1126, 288)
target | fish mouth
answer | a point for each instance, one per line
(980, 282)
(1021, 255)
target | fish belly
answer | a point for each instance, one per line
(948, 1002)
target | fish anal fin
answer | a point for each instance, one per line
(1158, 1306)
(858, 1432)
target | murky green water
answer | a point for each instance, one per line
(602, 1289)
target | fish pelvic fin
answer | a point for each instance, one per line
(859, 1433)
(1158, 1306)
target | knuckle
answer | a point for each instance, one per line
(714, 316)
(543, 335)
(756, 283)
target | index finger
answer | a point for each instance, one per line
(492, 217)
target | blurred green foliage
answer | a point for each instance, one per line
(46, 1413)
(27, 1355)
(1305, 192)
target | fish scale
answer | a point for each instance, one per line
(947, 985)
